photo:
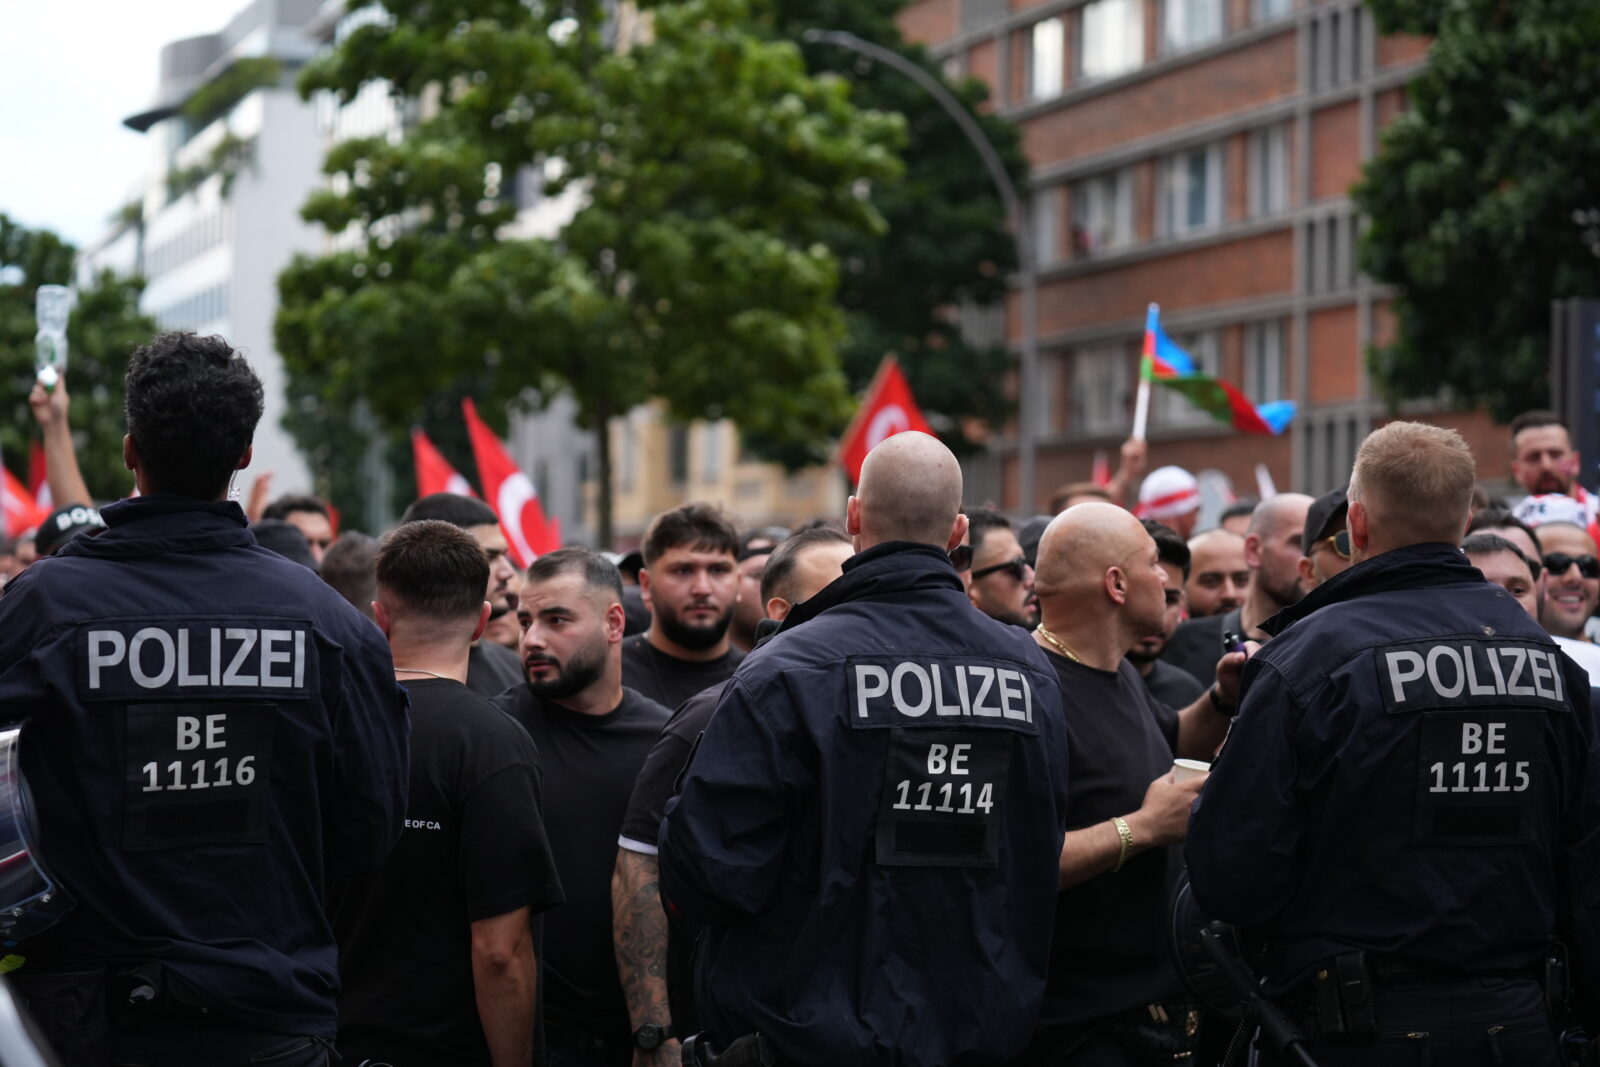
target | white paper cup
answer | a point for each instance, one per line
(1185, 769)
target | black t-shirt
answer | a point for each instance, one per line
(668, 680)
(492, 669)
(1196, 645)
(1109, 950)
(590, 764)
(473, 847)
(1172, 686)
(658, 779)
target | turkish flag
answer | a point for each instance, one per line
(889, 408)
(434, 473)
(18, 511)
(508, 491)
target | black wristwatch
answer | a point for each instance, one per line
(649, 1037)
(1220, 706)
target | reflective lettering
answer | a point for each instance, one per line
(1399, 678)
(1007, 693)
(99, 641)
(1519, 656)
(188, 733)
(271, 658)
(168, 657)
(1495, 743)
(1473, 687)
(1541, 675)
(184, 677)
(1471, 738)
(924, 690)
(985, 675)
(232, 675)
(1437, 653)
(880, 686)
(939, 706)
(958, 759)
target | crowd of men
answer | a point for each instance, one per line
(913, 785)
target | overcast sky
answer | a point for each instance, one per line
(70, 71)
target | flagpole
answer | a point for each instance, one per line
(1141, 404)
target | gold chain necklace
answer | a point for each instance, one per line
(1054, 640)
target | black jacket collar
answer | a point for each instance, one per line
(1413, 567)
(163, 522)
(888, 568)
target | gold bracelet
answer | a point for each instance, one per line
(1127, 841)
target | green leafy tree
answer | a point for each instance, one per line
(105, 327)
(1478, 196)
(708, 168)
(946, 242)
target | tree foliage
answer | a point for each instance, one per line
(1479, 194)
(105, 327)
(946, 241)
(708, 170)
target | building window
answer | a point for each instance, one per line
(678, 454)
(1170, 407)
(1102, 213)
(1191, 184)
(1046, 413)
(1046, 72)
(711, 452)
(1191, 23)
(1100, 379)
(1267, 10)
(1263, 361)
(1268, 160)
(1112, 41)
(1046, 248)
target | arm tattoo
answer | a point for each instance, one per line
(639, 935)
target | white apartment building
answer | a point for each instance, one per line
(218, 208)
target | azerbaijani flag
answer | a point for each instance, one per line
(1170, 365)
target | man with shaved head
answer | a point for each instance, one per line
(1272, 553)
(1218, 578)
(1102, 591)
(1405, 813)
(868, 837)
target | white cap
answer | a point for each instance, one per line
(1550, 507)
(1168, 492)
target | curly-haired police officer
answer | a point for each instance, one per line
(213, 737)
(1406, 810)
(870, 832)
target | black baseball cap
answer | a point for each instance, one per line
(63, 524)
(1325, 514)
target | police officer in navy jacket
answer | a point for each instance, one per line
(213, 737)
(1406, 810)
(870, 830)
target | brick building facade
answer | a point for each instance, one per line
(1196, 154)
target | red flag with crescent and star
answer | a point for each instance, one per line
(888, 409)
(508, 491)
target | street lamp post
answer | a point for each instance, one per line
(1029, 281)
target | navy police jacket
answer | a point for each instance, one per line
(1413, 772)
(870, 829)
(212, 735)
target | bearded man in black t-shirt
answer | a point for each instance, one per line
(436, 952)
(593, 735)
(690, 583)
(1113, 998)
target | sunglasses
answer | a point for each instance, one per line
(1018, 568)
(1340, 542)
(1558, 562)
(961, 557)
